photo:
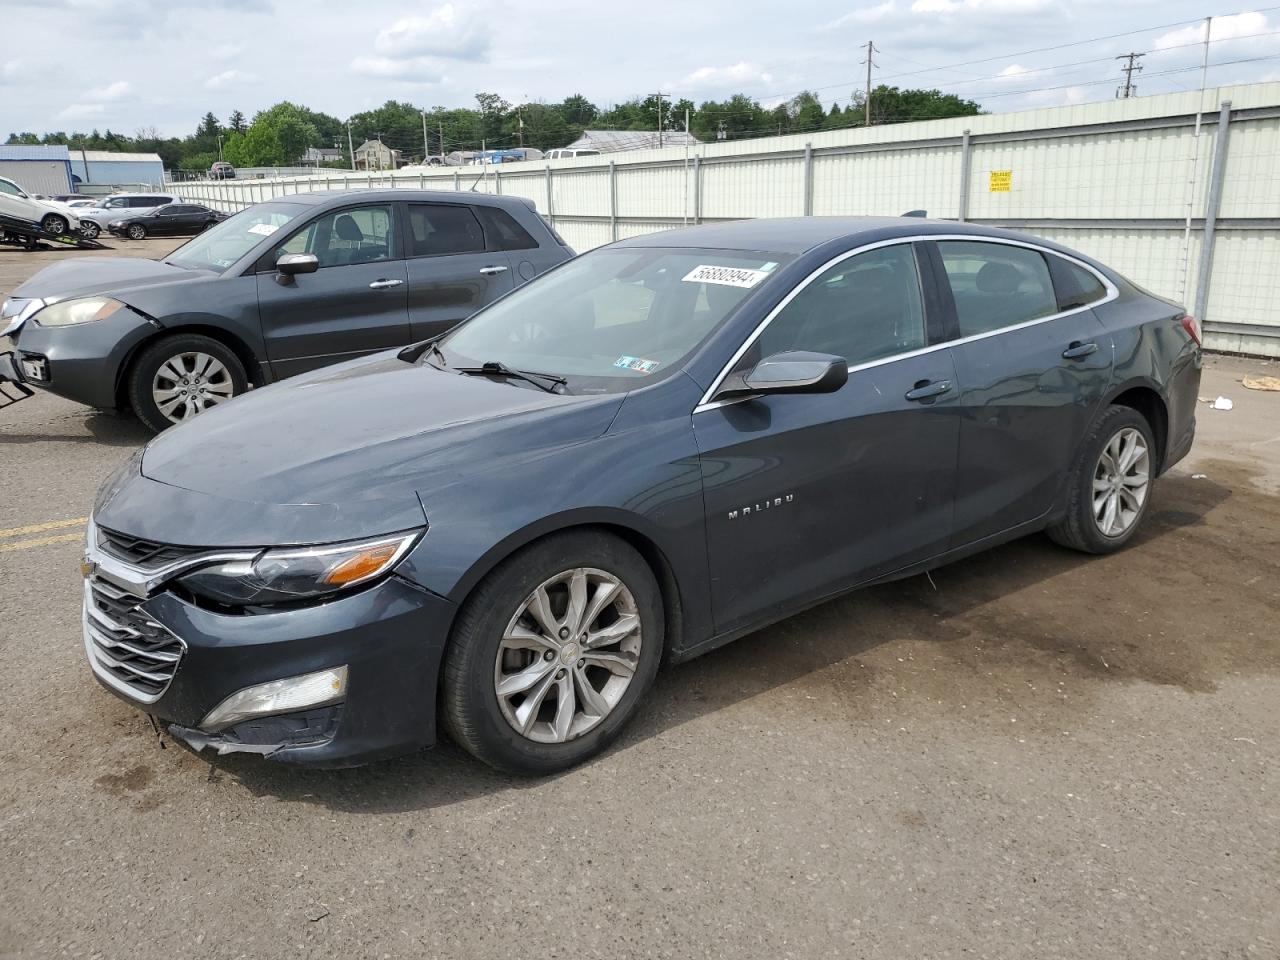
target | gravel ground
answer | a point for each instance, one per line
(1034, 754)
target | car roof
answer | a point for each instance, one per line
(337, 198)
(797, 235)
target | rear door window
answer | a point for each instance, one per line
(440, 229)
(502, 232)
(996, 285)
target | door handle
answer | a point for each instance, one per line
(492, 271)
(926, 390)
(1078, 350)
(384, 284)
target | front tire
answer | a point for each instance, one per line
(1109, 489)
(89, 229)
(552, 653)
(137, 231)
(55, 224)
(180, 376)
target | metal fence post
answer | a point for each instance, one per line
(497, 180)
(551, 210)
(456, 185)
(697, 189)
(613, 200)
(808, 179)
(966, 171)
(1217, 173)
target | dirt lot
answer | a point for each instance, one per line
(1034, 755)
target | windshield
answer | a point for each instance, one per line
(613, 319)
(222, 245)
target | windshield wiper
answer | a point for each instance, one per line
(413, 353)
(496, 368)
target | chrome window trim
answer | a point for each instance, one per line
(707, 403)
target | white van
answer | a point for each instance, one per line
(564, 153)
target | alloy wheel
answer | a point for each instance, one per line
(189, 383)
(137, 233)
(568, 655)
(90, 229)
(1120, 482)
(53, 224)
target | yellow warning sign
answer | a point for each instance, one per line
(1001, 181)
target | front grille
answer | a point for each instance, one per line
(143, 553)
(127, 645)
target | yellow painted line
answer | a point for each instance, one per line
(42, 542)
(41, 527)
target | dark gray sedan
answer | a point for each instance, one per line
(648, 452)
(278, 289)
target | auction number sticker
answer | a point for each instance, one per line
(726, 276)
(638, 364)
(265, 229)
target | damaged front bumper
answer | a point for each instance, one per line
(387, 639)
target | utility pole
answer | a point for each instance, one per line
(721, 133)
(442, 141)
(1129, 69)
(871, 48)
(351, 148)
(520, 127)
(660, 95)
(426, 147)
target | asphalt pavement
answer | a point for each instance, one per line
(1029, 754)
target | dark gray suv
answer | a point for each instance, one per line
(280, 288)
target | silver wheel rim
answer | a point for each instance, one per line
(54, 225)
(89, 229)
(568, 655)
(189, 383)
(136, 233)
(1120, 483)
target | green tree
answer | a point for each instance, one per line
(236, 122)
(578, 111)
(891, 105)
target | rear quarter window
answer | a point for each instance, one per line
(502, 231)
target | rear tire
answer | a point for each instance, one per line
(1109, 489)
(55, 224)
(498, 638)
(89, 229)
(180, 376)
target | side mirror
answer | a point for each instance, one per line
(289, 265)
(796, 371)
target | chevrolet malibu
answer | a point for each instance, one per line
(649, 451)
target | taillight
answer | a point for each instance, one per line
(1192, 326)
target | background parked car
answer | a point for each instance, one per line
(95, 219)
(278, 289)
(221, 170)
(171, 220)
(52, 217)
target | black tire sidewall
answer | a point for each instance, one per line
(472, 713)
(59, 221)
(1112, 422)
(143, 370)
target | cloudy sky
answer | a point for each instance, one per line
(129, 64)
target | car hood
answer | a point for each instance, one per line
(116, 276)
(340, 453)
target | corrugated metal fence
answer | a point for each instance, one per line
(1180, 192)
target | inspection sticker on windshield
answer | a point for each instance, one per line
(266, 229)
(638, 364)
(728, 276)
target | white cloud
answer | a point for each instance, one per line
(79, 111)
(225, 79)
(1224, 28)
(453, 32)
(1014, 71)
(413, 69)
(227, 51)
(113, 91)
(881, 11)
(733, 75)
(979, 6)
(10, 69)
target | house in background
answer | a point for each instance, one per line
(618, 141)
(315, 156)
(376, 155)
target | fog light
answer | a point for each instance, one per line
(278, 696)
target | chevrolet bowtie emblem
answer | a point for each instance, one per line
(87, 567)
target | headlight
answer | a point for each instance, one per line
(83, 310)
(280, 576)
